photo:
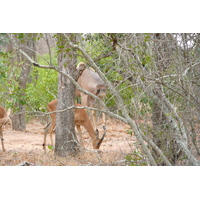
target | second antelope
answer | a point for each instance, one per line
(4, 119)
(91, 81)
(80, 119)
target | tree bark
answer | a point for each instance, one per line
(66, 141)
(18, 120)
(120, 103)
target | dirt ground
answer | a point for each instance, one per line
(27, 146)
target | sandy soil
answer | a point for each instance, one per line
(28, 145)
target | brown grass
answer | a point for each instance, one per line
(27, 146)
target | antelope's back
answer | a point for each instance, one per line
(80, 115)
(91, 81)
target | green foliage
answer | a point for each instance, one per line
(97, 46)
(135, 159)
(51, 147)
(43, 88)
(3, 41)
(23, 36)
(4, 62)
(130, 131)
(44, 85)
(5, 78)
(40, 90)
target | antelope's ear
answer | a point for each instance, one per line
(9, 111)
(81, 64)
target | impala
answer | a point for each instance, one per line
(80, 119)
(4, 119)
(90, 81)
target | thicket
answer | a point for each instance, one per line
(155, 75)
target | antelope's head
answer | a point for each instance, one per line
(8, 121)
(98, 141)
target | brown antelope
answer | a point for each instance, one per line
(90, 81)
(80, 119)
(4, 119)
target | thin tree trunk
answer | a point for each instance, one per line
(18, 120)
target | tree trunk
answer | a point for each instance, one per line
(66, 141)
(18, 120)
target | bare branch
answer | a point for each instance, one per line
(157, 150)
(66, 75)
(120, 103)
(76, 84)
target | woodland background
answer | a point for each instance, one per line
(152, 78)
(101, 17)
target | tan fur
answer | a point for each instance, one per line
(80, 119)
(90, 81)
(4, 119)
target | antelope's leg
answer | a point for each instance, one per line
(46, 129)
(53, 125)
(2, 144)
(91, 103)
(93, 118)
(84, 99)
(45, 137)
(80, 137)
(104, 119)
(1, 137)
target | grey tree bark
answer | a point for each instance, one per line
(66, 141)
(18, 120)
(119, 100)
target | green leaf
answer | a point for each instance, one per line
(130, 132)
(51, 147)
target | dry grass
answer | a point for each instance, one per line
(88, 158)
(27, 146)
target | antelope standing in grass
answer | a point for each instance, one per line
(80, 119)
(90, 81)
(4, 119)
